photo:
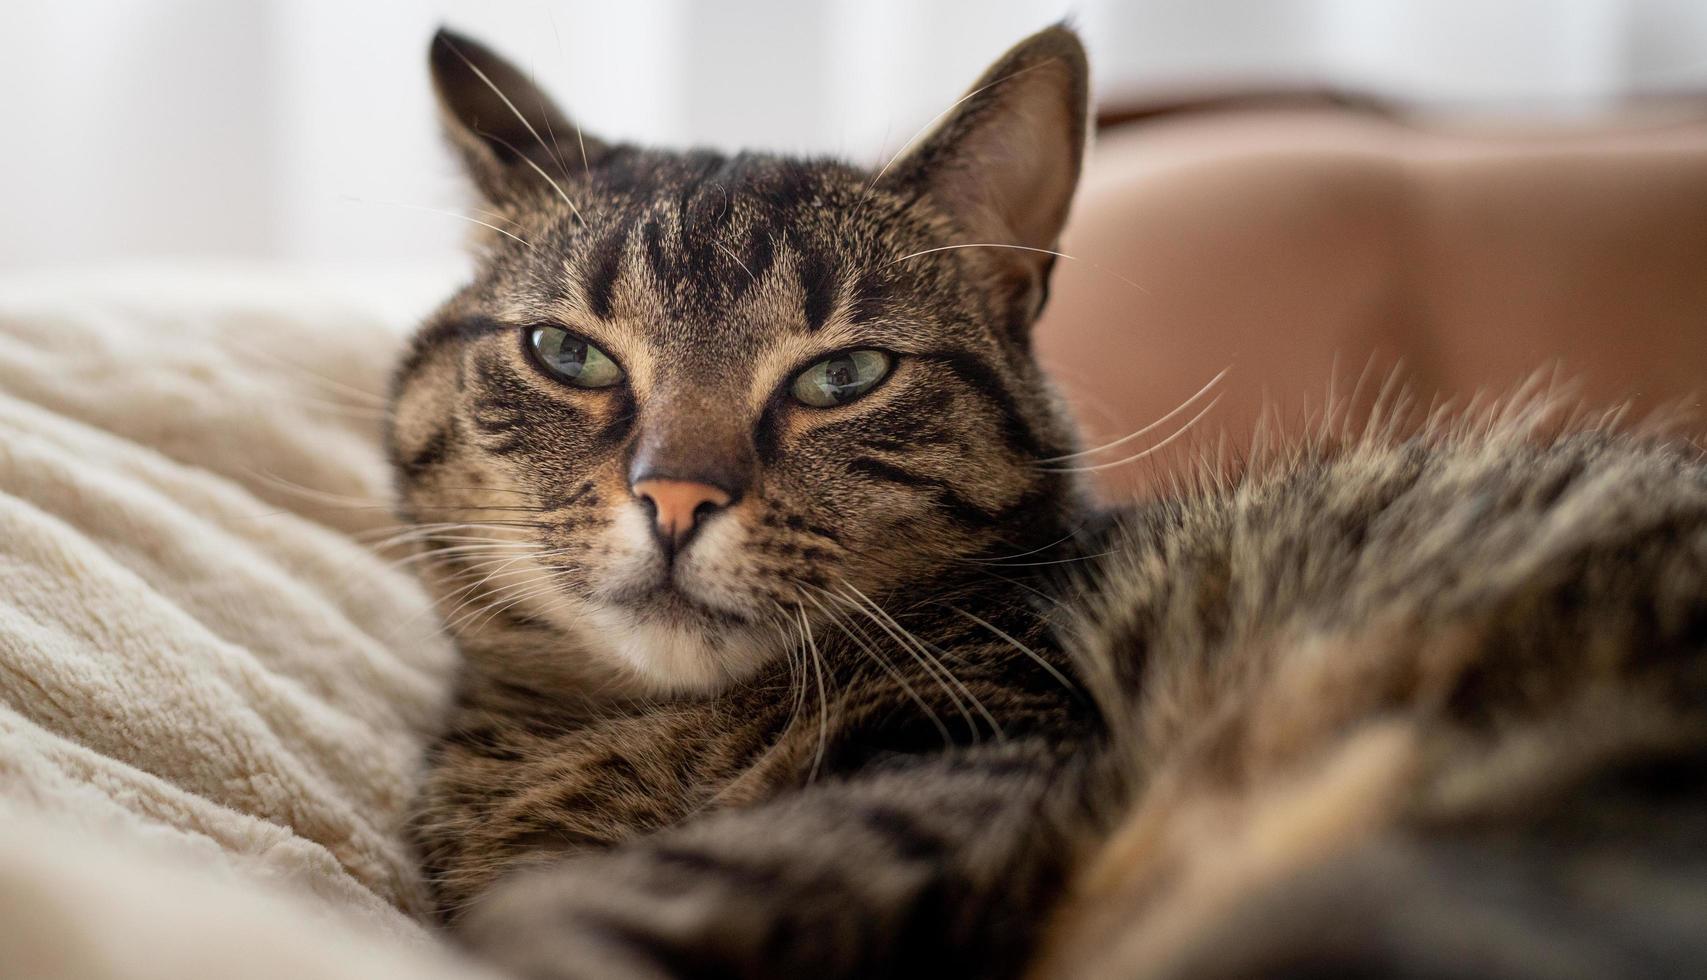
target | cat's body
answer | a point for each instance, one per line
(524, 776)
(792, 649)
(1431, 708)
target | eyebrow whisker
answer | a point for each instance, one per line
(736, 259)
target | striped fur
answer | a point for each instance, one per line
(1428, 707)
(851, 652)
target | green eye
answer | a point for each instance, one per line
(840, 379)
(572, 359)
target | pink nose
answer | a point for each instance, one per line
(677, 505)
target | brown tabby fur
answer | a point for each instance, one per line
(1423, 708)
(1426, 707)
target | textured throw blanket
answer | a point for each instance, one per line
(213, 686)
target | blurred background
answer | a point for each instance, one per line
(1289, 204)
(303, 131)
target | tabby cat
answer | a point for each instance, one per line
(793, 647)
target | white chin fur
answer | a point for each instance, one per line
(669, 658)
(666, 656)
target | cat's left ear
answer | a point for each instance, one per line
(1006, 160)
(512, 138)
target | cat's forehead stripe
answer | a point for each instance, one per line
(604, 264)
(726, 242)
(820, 280)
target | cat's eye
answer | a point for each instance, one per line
(572, 358)
(841, 378)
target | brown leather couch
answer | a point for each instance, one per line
(1302, 248)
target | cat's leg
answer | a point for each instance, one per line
(935, 863)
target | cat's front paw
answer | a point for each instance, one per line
(608, 917)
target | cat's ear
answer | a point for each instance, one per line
(509, 133)
(1005, 160)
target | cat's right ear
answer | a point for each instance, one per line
(1004, 161)
(512, 138)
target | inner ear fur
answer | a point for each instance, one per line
(510, 135)
(1006, 161)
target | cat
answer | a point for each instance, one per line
(793, 645)
(738, 475)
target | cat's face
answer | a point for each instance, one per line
(694, 405)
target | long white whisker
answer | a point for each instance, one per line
(541, 171)
(428, 528)
(1158, 447)
(1017, 645)
(823, 701)
(493, 611)
(524, 121)
(372, 399)
(953, 696)
(850, 629)
(462, 552)
(930, 660)
(448, 214)
(1040, 564)
(1123, 440)
(998, 559)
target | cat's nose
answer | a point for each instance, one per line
(678, 506)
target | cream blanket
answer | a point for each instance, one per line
(213, 689)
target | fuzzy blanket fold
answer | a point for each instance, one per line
(213, 690)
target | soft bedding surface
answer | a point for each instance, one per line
(213, 686)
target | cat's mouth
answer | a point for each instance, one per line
(664, 599)
(694, 589)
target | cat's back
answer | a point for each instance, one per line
(1428, 528)
(1376, 689)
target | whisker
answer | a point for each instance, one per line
(850, 630)
(524, 121)
(1158, 447)
(496, 609)
(311, 493)
(586, 167)
(1021, 647)
(1040, 564)
(373, 399)
(523, 157)
(388, 537)
(929, 660)
(461, 552)
(736, 259)
(794, 652)
(473, 595)
(1123, 440)
(364, 413)
(524, 493)
(1040, 548)
(823, 701)
(504, 570)
(908, 648)
(449, 214)
(428, 527)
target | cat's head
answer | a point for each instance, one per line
(691, 403)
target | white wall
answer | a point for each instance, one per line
(302, 130)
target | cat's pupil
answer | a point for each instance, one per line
(841, 374)
(570, 357)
